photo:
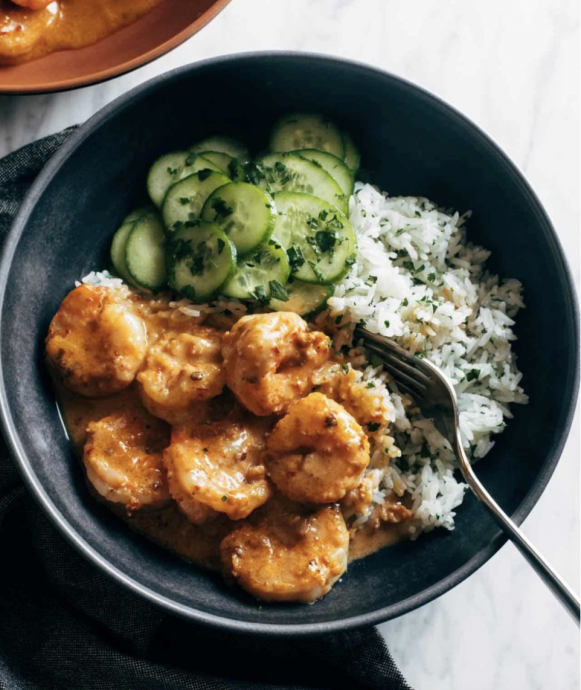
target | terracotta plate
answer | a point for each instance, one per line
(156, 33)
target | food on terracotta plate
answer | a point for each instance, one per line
(30, 29)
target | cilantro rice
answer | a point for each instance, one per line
(419, 281)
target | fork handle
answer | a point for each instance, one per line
(543, 569)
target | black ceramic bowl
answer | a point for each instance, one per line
(412, 143)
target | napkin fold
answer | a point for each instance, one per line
(64, 625)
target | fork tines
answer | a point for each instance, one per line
(406, 369)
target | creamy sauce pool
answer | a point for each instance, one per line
(64, 24)
(168, 526)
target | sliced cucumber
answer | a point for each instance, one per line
(200, 260)
(117, 251)
(260, 274)
(289, 172)
(227, 145)
(307, 131)
(332, 165)
(305, 299)
(184, 200)
(245, 213)
(231, 166)
(145, 253)
(351, 157)
(172, 168)
(138, 213)
(318, 238)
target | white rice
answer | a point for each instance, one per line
(418, 281)
(103, 279)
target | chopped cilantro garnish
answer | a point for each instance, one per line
(233, 168)
(221, 207)
(260, 294)
(278, 291)
(254, 173)
(295, 257)
(316, 271)
(204, 174)
(326, 240)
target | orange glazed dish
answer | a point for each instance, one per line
(30, 29)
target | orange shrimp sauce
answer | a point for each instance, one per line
(64, 24)
(168, 526)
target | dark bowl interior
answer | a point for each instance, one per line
(412, 144)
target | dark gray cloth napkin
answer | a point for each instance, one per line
(64, 625)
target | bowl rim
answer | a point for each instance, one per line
(12, 435)
(122, 68)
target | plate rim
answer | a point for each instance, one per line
(121, 69)
(393, 611)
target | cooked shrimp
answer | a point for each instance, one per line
(218, 468)
(123, 458)
(23, 28)
(270, 360)
(33, 4)
(181, 370)
(344, 386)
(285, 552)
(318, 452)
(96, 342)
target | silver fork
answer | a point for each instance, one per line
(434, 392)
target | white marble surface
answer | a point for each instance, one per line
(511, 66)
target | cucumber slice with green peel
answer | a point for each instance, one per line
(172, 168)
(184, 201)
(139, 213)
(351, 157)
(307, 131)
(227, 145)
(117, 251)
(290, 172)
(260, 275)
(318, 238)
(229, 165)
(332, 165)
(200, 260)
(145, 253)
(246, 214)
(304, 299)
